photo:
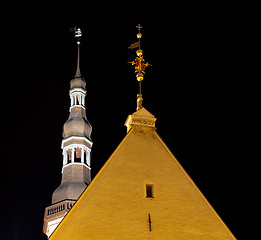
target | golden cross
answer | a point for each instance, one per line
(139, 27)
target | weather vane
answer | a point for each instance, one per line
(78, 34)
(140, 65)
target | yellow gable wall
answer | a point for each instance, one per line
(114, 206)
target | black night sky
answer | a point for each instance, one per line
(193, 89)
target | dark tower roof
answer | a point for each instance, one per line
(77, 123)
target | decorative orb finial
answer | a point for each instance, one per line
(139, 52)
(139, 35)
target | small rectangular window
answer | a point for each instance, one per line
(149, 191)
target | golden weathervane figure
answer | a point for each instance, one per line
(140, 65)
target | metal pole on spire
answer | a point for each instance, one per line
(78, 34)
(140, 65)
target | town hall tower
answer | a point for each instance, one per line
(76, 146)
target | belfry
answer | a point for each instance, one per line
(141, 192)
(76, 146)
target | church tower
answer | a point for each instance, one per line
(76, 146)
(142, 192)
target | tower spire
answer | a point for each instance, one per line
(78, 34)
(140, 65)
(76, 150)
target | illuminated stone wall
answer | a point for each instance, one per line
(119, 204)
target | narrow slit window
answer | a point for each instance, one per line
(149, 191)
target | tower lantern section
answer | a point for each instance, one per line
(77, 97)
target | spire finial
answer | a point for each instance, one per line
(78, 34)
(140, 66)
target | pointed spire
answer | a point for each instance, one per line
(140, 66)
(78, 71)
(78, 34)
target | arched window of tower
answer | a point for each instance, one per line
(78, 153)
